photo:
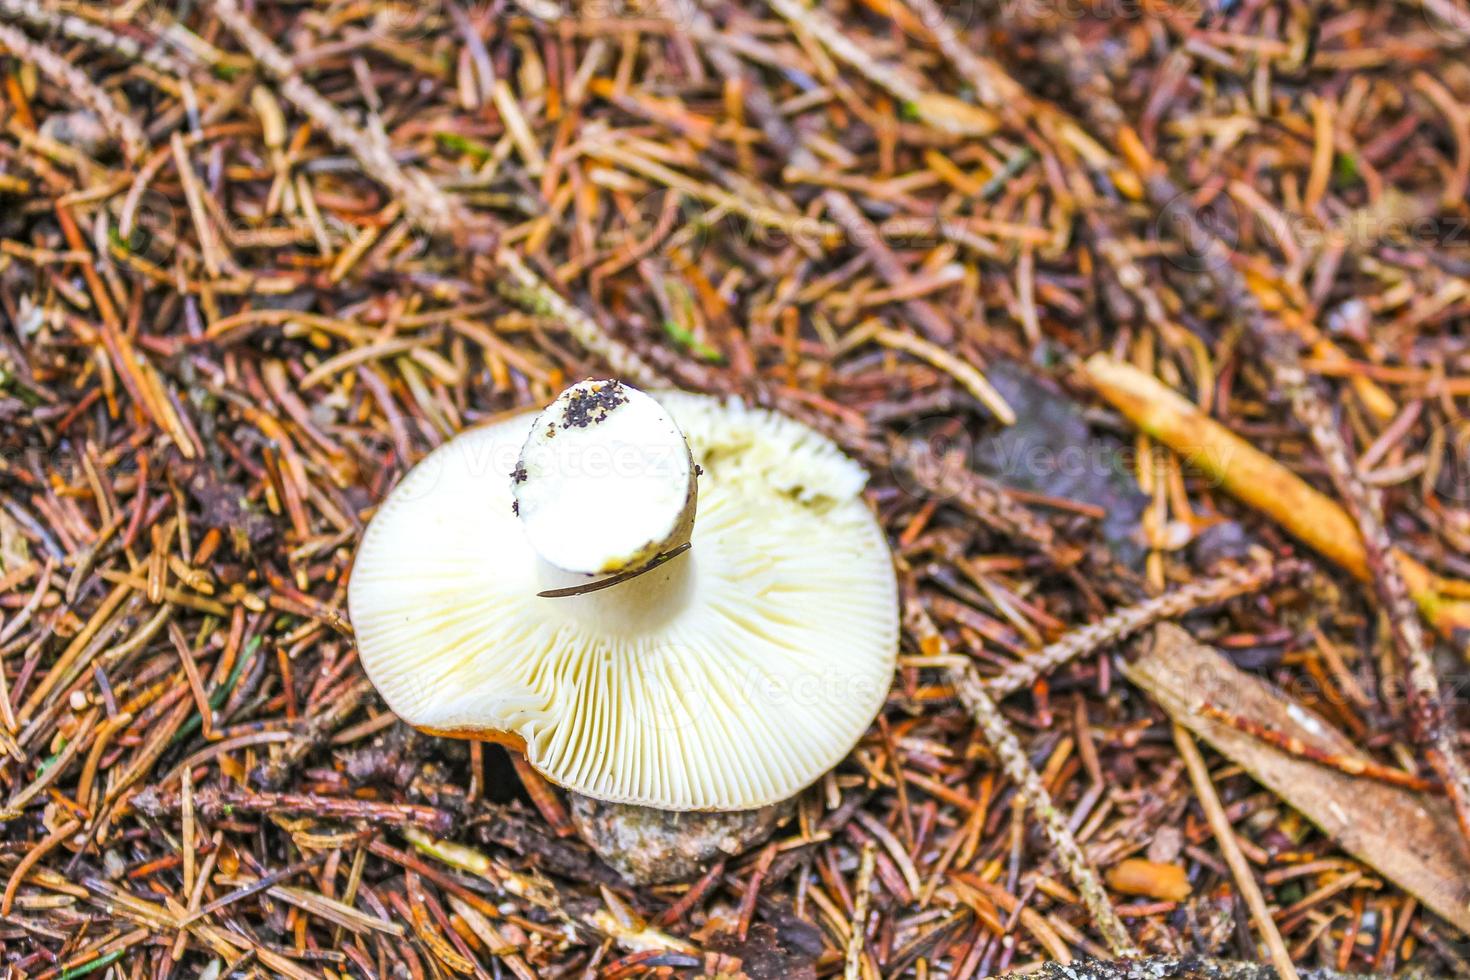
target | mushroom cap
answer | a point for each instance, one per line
(728, 678)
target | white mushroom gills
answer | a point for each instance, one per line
(605, 482)
(728, 677)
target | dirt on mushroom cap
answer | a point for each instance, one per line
(589, 407)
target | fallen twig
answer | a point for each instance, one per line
(1018, 769)
(1260, 481)
(1245, 881)
(1128, 621)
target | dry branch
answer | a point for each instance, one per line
(1017, 767)
(1261, 481)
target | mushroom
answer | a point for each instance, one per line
(541, 581)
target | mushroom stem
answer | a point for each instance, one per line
(605, 483)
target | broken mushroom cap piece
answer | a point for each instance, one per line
(727, 677)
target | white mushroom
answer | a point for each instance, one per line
(727, 675)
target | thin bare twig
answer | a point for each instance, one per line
(1017, 767)
(1129, 620)
(1429, 721)
(38, 15)
(862, 897)
(1245, 882)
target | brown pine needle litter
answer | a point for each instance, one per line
(1135, 314)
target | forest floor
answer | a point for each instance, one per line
(1135, 310)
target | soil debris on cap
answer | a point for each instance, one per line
(590, 407)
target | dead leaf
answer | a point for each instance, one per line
(1410, 839)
